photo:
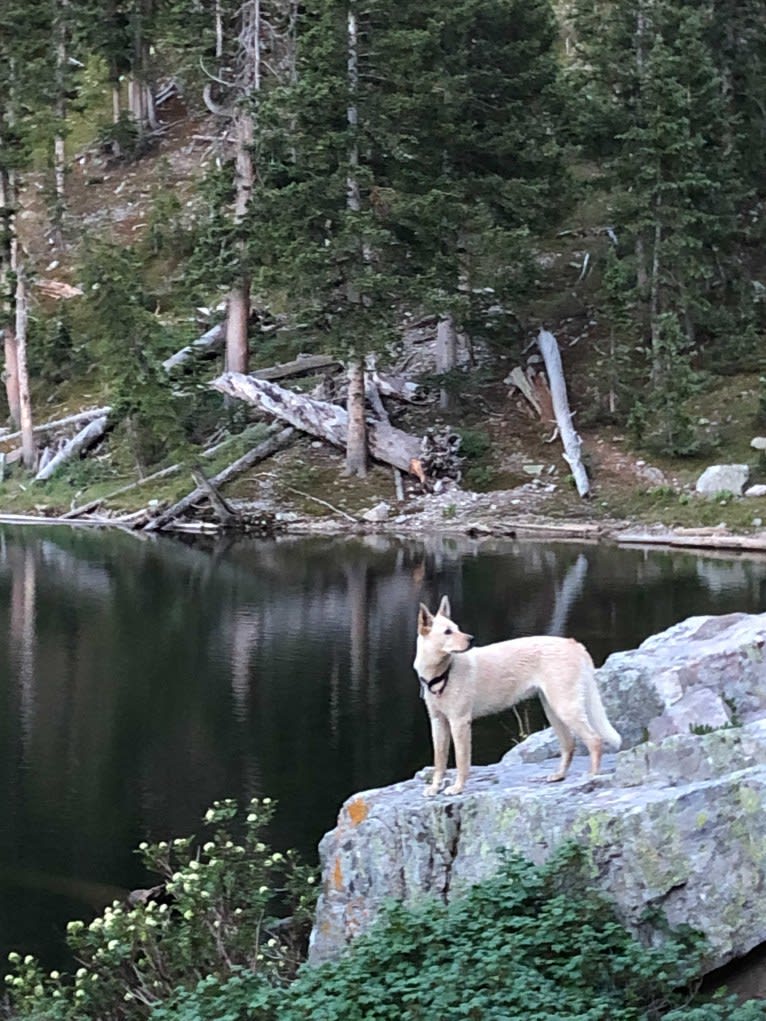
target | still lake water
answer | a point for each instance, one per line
(143, 679)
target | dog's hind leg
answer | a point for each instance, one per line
(566, 740)
(440, 736)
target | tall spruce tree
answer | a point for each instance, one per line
(409, 170)
(469, 143)
(26, 79)
(658, 114)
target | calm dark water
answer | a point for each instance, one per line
(141, 680)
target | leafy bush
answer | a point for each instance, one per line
(535, 942)
(214, 916)
(474, 443)
(538, 943)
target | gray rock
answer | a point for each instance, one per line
(723, 478)
(654, 476)
(758, 443)
(758, 490)
(677, 822)
(379, 512)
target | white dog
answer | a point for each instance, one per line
(460, 684)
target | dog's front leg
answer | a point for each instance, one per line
(440, 738)
(461, 736)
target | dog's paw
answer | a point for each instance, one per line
(431, 790)
(455, 788)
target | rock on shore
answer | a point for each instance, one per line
(675, 821)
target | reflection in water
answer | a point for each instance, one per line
(143, 679)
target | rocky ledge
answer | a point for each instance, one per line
(676, 820)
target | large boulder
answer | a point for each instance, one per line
(723, 478)
(676, 822)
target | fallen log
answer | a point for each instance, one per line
(319, 418)
(81, 416)
(252, 457)
(303, 365)
(85, 438)
(396, 386)
(378, 409)
(222, 509)
(569, 437)
(209, 341)
(86, 508)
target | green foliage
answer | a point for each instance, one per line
(127, 341)
(659, 418)
(536, 942)
(659, 107)
(215, 922)
(121, 139)
(474, 443)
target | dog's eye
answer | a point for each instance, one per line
(448, 631)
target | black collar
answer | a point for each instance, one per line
(434, 683)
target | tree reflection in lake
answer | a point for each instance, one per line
(143, 679)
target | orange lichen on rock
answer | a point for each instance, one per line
(337, 875)
(357, 811)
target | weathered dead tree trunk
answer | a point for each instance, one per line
(86, 508)
(29, 450)
(85, 438)
(303, 365)
(210, 340)
(569, 437)
(247, 461)
(445, 356)
(81, 416)
(319, 418)
(222, 508)
(356, 441)
(12, 376)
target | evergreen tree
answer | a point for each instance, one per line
(125, 338)
(451, 152)
(661, 117)
(25, 88)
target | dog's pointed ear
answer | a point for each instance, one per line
(444, 608)
(425, 619)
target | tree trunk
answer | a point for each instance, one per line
(572, 442)
(210, 340)
(319, 418)
(238, 317)
(252, 457)
(237, 351)
(446, 355)
(29, 449)
(12, 376)
(356, 442)
(59, 146)
(85, 438)
(654, 294)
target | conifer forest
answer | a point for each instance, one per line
(201, 188)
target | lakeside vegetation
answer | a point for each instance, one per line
(593, 166)
(534, 942)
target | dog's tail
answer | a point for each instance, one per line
(596, 712)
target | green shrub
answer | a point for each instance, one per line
(474, 443)
(534, 943)
(216, 916)
(538, 943)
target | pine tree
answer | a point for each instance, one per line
(663, 125)
(25, 88)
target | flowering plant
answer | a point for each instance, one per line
(222, 906)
